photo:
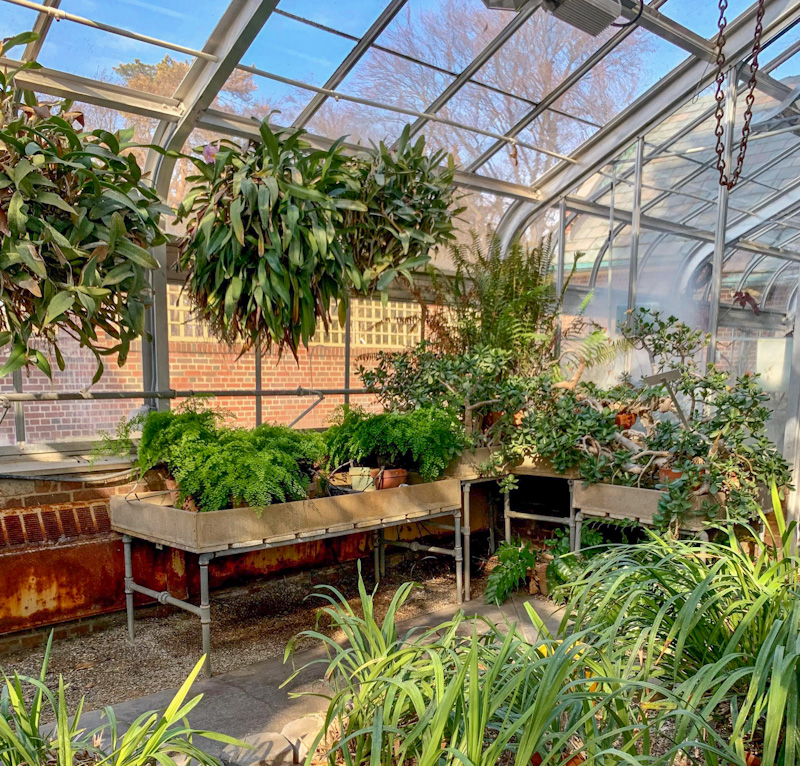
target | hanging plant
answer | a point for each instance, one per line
(76, 222)
(278, 235)
(410, 204)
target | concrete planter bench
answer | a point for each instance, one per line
(619, 502)
(212, 534)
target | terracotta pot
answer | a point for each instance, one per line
(625, 420)
(490, 418)
(667, 474)
(388, 478)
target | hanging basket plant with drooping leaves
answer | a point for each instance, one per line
(278, 234)
(76, 221)
(411, 203)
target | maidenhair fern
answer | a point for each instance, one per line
(221, 467)
(423, 440)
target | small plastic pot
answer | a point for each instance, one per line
(361, 478)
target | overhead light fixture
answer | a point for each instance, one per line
(592, 16)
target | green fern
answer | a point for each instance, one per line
(221, 467)
(514, 561)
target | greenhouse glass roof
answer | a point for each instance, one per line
(534, 110)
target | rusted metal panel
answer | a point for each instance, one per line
(53, 583)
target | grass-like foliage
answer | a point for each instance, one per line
(221, 467)
(714, 623)
(470, 693)
(154, 737)
(423, 440)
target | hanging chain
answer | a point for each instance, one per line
(719, 97)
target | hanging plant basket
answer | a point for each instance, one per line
(279, 235)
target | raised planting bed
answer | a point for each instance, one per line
(214, 534)
(469, 465)
(150, 517)
(619, 502)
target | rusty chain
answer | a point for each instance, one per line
(719, 97)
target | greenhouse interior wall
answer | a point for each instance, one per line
(612, 159)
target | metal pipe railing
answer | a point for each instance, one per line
(47, 396)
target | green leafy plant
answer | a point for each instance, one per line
(423, 440)
(77, 219)
(220, 467)
(473, 692)
(716, 622)
(154, 737)
(722, 459)
(513, 562)
(279, 234)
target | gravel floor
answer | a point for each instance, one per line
(249, 625)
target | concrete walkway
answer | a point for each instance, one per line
(247, 703)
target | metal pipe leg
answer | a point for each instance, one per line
(578, 528)
(126, 549)
(205, 612)
(382, 548)
(571, 486)
(465, 531)
(506, 517)
(376, 556)
(459, 557)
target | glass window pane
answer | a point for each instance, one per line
(14, 20)
(346, 16)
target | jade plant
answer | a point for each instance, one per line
(424, 440)
(713, 466)
(278, 235)
(77, 220)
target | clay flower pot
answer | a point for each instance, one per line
(625, 420)
(388, 478)
(668, 474)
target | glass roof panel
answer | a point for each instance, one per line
(361, 124)
(250, 95)
(443, 33)
(539, 56)
(292, 49)
(108, 57)
(621, 77)
(702, 18)
(185, 22)
(351, 17)
(392, 80)
(15, 19)
(485, 109)
(518, 164)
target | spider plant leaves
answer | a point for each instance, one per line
(76, 225)
(300, 230)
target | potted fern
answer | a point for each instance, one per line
(391, 445)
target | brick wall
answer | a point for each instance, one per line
(199, 362)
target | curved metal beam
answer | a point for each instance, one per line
(649, 110)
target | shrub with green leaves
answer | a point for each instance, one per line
(220, 467)
(77, 220)
(278, 234)
(423, 440)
